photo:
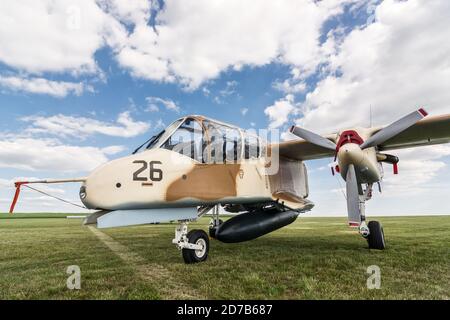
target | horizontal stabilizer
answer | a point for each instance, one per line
(123, 218)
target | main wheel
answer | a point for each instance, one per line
(213, 228)
(196, 237)
(376, 236)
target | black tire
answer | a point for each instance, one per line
(194, 256)
(376, 236)
(213, 229)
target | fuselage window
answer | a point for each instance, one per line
(252, 147)
(187, 140)
(225, 143)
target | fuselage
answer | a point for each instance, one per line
(196, 161)
(159, 178)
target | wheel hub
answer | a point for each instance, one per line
(200, 252)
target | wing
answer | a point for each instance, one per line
(303, 150)
(429, 131)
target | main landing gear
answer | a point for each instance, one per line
(215, 222)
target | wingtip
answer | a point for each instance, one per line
(291, 129)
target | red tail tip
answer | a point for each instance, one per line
(16, 195)
(423, 112)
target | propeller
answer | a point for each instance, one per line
(313, 138)
(394, 128)
(353, 187)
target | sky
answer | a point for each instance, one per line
(83, 82)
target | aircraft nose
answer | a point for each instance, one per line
(350, 153)
(83, 194)
(85, 198)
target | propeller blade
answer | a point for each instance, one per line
(394, 128)
(312, 137)
(353, 208)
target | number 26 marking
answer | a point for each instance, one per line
(155, 173)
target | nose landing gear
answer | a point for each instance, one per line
(372, 231)
(201, 240)
(194, 244)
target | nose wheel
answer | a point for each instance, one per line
(200, 239)
(375, 238)
(194, 244)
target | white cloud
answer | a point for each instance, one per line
(160, 124)
(46, 154)
(55, 36)
(152, 108)
(279, 112)
(9, 184)
(129, 11)
(155, 102)
(289, 86)
(396, 64)
(244, 111)
(227, 91)
(63, 125)
(230, 88)
(196, 40)
(192, 41)
(418, 167)
(58, 89)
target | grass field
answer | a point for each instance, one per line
(313, 258)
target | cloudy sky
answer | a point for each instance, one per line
(85, 81)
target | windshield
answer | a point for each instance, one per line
(163, 135)
(160, 137)
(187, 140)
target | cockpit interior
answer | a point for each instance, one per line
(207, 141)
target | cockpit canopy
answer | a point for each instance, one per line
(208, 141)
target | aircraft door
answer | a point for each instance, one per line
(291, 181)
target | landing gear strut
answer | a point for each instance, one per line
(193, 244)
(373, 231)
(215, 222)
(367, 195)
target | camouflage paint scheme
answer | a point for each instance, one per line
(186, 182)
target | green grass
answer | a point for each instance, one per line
(313, 258)
(38, 215)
